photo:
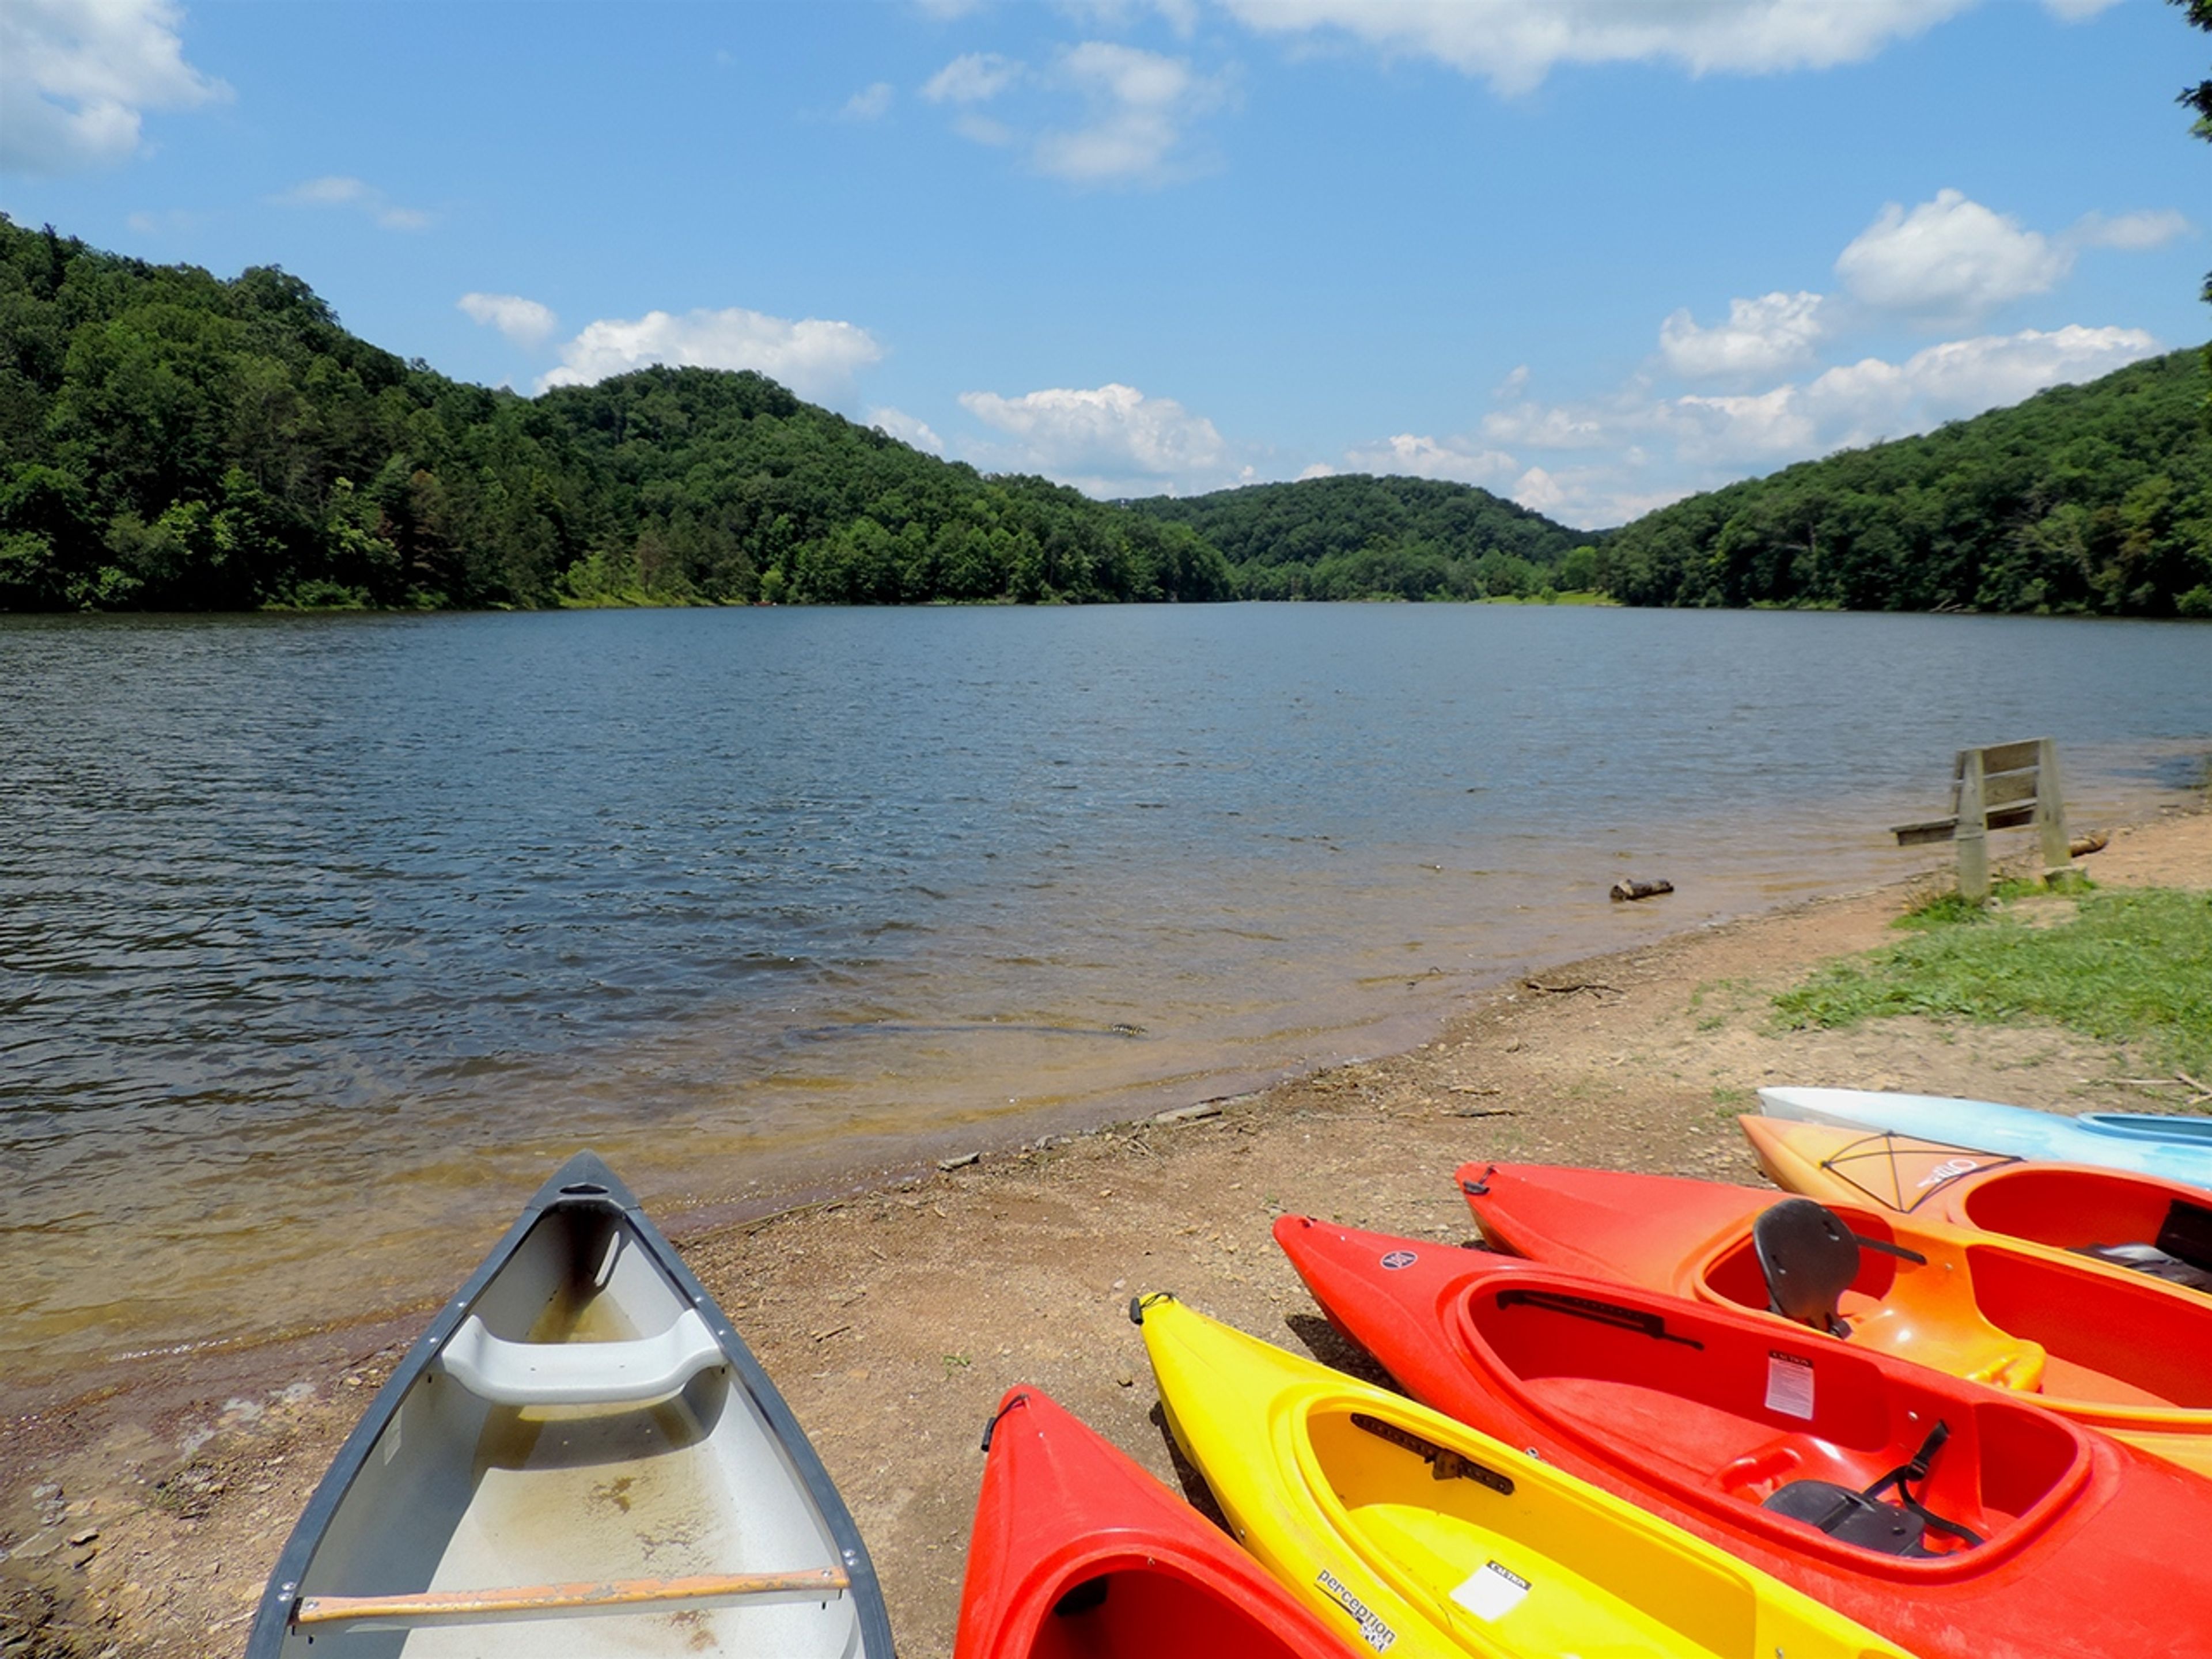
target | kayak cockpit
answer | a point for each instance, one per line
(1508, 1556)
(1765, 1423)
(1149, 1603)
(1922, 1303)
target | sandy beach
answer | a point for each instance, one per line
(143, 1521)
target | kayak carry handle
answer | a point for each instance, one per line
(1138, 1304)
(992, 1427)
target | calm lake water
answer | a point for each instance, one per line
(322, 939)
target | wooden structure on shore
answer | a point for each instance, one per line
(2004, 785)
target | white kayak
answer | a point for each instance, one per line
(580, 1437)
(2175, 1148)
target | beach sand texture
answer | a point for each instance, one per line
(144, 1522)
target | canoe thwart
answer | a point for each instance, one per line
(550, 1600)
(580, 1373)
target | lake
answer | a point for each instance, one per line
(322, 939)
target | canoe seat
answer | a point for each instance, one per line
(580, 1373)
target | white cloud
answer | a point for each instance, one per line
(2077, 11)
(1951, 259)
(905, 429)
(337, 191)
(1317, 469)
(1110, 440)
(1762, 337)
(1515, 44)
(974, 78)
(1452, 458)
(1139, 104)
(1643, 448)
(77, 75)
(1180, 15)
(2133, 231)
(526, 322)
(871, 103)
(815, 358)
(1515, 382)
(982, 130)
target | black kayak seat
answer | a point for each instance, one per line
(1861, 1518)
(1809, 1258)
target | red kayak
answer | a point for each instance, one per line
(2115, 1350)
(1077, 1553)
(1958, 1520)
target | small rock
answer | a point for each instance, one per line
(1204, 1108)
(1125, 1380)
(84, 1537)
(959, 1163)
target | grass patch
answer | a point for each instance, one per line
(2132, 967)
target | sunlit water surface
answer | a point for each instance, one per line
(321, 940)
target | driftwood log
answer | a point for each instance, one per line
(2082, 846)
(1625, 890)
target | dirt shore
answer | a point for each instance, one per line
(144, 1522)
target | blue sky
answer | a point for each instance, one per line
(1591, 254)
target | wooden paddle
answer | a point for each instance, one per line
(544, 1601)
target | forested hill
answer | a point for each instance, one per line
(1355, 537)
(168, 440)
(2094, 498)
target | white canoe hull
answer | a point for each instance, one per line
(581, 1418)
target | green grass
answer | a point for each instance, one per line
(2133, 968)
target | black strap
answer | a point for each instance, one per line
(1644, 1323)
(1916, 1468)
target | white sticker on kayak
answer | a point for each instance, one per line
(1492, 1591)
(1789, 1384)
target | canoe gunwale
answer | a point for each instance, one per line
(583, 1183)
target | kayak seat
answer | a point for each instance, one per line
(580, 1373)
(1809, 1258)
(1861, 1518)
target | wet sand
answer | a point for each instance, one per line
(143, 1521)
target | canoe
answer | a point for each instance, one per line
(581, 1436)
(2139, 1222)
(1419, 1536)
(2174, 1148)
(2110, 1348)
(1755, 1438)
(1077, 1553)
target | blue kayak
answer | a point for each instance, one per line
(2176, 1148)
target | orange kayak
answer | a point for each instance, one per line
(2161, 1228)
(2113, 1349)
(2020, 1535)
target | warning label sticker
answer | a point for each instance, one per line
(1789, 1384)
(1492, 1591)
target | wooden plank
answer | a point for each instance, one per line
(1972, 841)
(543, 1600)
(2011, 757)
(2051, 813)
(2004, 788)
(1918, 835)
(2013, 817)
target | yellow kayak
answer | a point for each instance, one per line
(1416, 1535)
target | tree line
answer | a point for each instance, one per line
(172, 440)
(2093, 499)
(169, 440)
